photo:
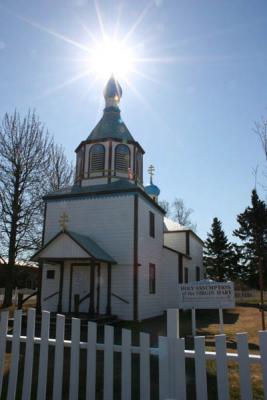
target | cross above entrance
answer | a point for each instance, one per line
(63, 219)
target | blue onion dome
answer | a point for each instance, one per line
(112, 89)
(152, 190)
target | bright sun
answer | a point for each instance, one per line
(111, 57)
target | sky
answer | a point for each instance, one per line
(199, 84)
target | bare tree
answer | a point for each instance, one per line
(261, 130)
(60, 172)
(24, 159)
(30, 165)
(181, 214)
(166, 207)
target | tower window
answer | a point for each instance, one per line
(152, 278)
(97, 158)
(122, 158)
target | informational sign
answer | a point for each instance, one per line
(206, 294)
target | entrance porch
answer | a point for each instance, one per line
(75, 276)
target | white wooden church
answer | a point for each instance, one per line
(107, 248)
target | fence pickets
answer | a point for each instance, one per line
(171, 356)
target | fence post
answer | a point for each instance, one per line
(173, 328)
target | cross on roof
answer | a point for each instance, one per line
(151, 171)
(63, 219)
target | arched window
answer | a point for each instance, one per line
(122, 158)
(97, 158)
(139, 166)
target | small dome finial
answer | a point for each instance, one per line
(112, 92)
(151, 189)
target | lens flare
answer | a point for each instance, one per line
(111, 57)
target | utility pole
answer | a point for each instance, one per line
(261, 292)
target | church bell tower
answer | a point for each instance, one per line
(110, 153)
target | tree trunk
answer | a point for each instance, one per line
(12, 245)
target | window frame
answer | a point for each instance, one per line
(103, 153)
(122, 170)
(50, 272)
(152, 278)
(197, 273)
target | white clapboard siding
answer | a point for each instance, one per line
(144, 366)
(43, 358)
(126, 362)
(74, 359)
(91, 362)
(200, 368)
(108, 362)
(263, 347)
(59, 357)
(244, 370)
(221, 368)
(13, 375)
(28, 365)
(3, 333)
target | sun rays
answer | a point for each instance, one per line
(105, 53)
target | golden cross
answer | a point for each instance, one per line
(151, 171)
(63, 221)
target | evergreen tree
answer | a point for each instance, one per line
(220, 259)
(253, 233)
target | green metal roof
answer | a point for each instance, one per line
(121, 184)
(91, 247)
(111, 126)
(85, 242)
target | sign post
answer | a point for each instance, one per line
(221, 320)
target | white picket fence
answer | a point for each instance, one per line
(171, 355)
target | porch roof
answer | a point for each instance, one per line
(88, 247)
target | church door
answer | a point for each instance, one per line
(81, 286)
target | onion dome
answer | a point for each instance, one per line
(152, 190)
(111, 125)
(112, 90)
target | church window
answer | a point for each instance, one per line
(97, 158)
(151, 224)
(197, 274)
(152, 278)
(50, 274)
(139, 173)
(122, 158)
